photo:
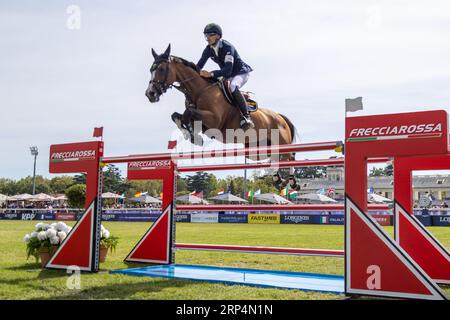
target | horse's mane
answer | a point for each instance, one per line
(186, 63)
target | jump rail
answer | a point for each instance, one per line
(277, 149)
(271, 207)
(263, 250)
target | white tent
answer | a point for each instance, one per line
(272, 198)
(41, 197)
(376, 198)
(60, 198)
(20, 197)
(228, 197)
(146, 199)
(110, 195)
(191, 199)
(3, 198)
(315, 197)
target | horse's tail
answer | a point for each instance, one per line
(291, 127)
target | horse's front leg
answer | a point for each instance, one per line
(178, 118)
(192, 119)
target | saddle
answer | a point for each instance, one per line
(224, 86)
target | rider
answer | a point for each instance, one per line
(231, 67)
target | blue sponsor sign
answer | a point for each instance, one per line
(300, 219)
(443, 221)
(182, 217)
(335, 219)
(130, 217)
(425, 220)
(233, 218)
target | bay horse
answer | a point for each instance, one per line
(207, 103)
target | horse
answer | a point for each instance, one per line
(206, 102)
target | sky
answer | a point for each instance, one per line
(69, 66)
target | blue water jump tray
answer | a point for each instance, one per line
(238, 276)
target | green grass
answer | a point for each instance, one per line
(22, 279)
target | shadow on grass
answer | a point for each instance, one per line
(35, 266)
(123, 290)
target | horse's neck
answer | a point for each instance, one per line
(190, 80)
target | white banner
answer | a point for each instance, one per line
(205, 217)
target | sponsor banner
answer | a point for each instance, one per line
(182, 217)
(31, 216)
(273, 218)
(66, 216)
(425, 220)
(11, 216)
(383, 220)
(337, 219)
(205, 217)
(301, 219)
(233, 218)
(443, 221)
(131, 217)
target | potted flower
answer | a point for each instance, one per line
(107, 241)
(44, 241)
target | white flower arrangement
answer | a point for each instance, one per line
(45, 236)
(50, 235)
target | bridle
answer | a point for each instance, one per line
(162, 86)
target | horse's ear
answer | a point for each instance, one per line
(167, 52)
(155, 55)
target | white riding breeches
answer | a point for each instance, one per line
(238, 81)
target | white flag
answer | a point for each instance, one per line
(352, 105)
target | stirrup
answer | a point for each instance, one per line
(246, 123)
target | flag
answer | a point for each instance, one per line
(352, 105)
(172, 144)
(98, 132)
(284, 192)
(221, 191)
(257, 192)
(250, 194)
(140, 194)
(198, 194)
(293, 193)
(330, 191)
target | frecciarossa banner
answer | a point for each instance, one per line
(400, 133)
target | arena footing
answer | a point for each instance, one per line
(239, 276)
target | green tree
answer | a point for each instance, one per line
(377, 172)
(113, 181)
(8, 186)
(76, 195)
(60, 184)
(25, 185)
(310, 172)
(198, 182)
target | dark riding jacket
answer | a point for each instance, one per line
(228, 59)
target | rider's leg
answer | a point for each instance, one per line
(236, 83)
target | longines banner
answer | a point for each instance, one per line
(271, 218)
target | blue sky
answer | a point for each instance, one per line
(57, 83)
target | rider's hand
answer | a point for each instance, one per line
(205, 74)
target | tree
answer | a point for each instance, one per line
(310, 172)
(61, 183)
(76, 195)
(113, 181)
(7, 186)
(25, 185)
(198, 182)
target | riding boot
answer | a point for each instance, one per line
(246, 122)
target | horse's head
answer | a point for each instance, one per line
(163, 75)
